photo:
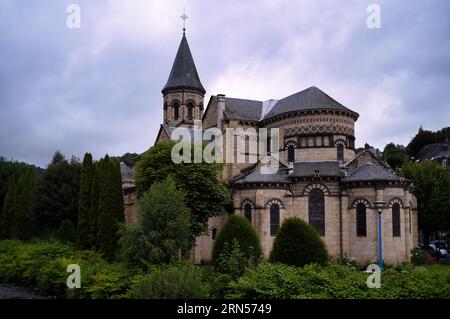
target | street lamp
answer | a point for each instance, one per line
(379, 206)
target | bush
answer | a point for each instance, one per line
(170, 282)
(232, 261)
(67, 232)
(421, 257)
(278, 281)
(162, 232)
(43, 264)
(297, 244)
(239, 229)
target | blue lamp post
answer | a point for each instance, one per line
(379, 206)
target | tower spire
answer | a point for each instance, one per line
(184, 17)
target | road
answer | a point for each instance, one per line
(13, 292)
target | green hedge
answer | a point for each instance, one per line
(181, 281)
(43, 265)
(298, 244)
(238, 228)
(280, 281)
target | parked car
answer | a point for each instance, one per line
(439, 246)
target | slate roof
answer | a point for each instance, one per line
(169, 129)
(309, 99)
(371, 172)
(126, 173)
(433, 151)
(310, 168)
(256, 176)
(241, 109)
(184, 73)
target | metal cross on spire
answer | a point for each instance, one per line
(184, 17)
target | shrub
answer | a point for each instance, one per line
(162, 232)
(298, 244)
(239, 229)
(170, 282)
(279, 281)
(421, 257)
(43, 264)
(51, 279)
(232, 261)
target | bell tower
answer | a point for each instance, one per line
(183, 93)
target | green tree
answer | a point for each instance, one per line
(8, 168)
(163, 229)
(239, 229)
(206, 192)
(67, 232)
(55, 197)
(86, 238)
(7, 214)
(22, 227)
(432, 189)
(110, 207)
(422, 138)
(298, 244)
(93, 212)
(116, 188)
(57, 157)
(128, 159)
(395, 155)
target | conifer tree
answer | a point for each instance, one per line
(84, 203)
(93, 213)
(110, 211)
(8, 209)
(106, 228)
(116, 184)
(22, 226)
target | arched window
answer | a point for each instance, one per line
(361, 226)
(214, 233)
(396, 220)
(190, 109)
(340, 152)
(317, 210)
(176, 110)
(248, 212)
(274, 219)
(291, 153)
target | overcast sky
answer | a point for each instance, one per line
(98, 88)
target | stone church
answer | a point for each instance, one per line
(320, 178)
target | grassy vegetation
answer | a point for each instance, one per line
(42, 264)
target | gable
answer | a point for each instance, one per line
(362, 158)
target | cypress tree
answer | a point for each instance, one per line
(84, 202)
(116, 184)
(8, 209)
(106, 226)
(22, 226)
(93, 213)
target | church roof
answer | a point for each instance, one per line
(241, 109)
(311, 168)
(126, 172)
(188, 130)
(372, 172)
(184, 73)
(255, 176)
(309, 99)
(434, 151)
